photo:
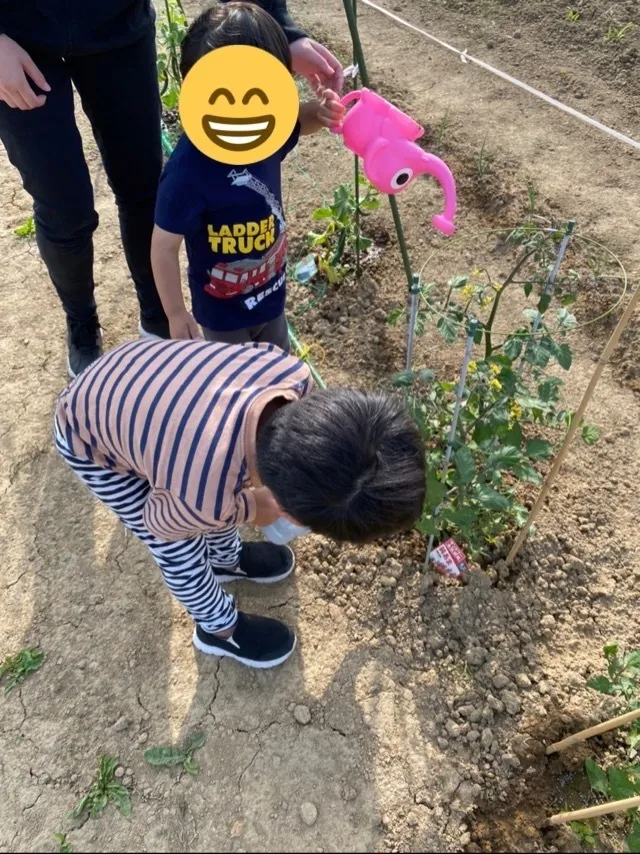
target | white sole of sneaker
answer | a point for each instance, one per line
(258, 665)
(221, 578)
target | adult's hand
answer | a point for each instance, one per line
(311, 58)
(16, 66)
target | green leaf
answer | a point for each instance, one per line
(98, 803)
(549, 389)
(427, 526)
(513, 436)
(426, 375)
(620, 785)
(526, 472)
(483, 432)
(610, 650)
(190, 766)
(120, 797)
(448, 329)
(538, 449)
(404, 379)
(536, 354)
(465, 465)
(601, 684)
(490, 499)
(167, 756)
(590, 434)
(322, 213)
(462, 517)
(84, 803)
(545, 302)
(458, 282)
(512, 348)
(569, 299)
(633, 839)
(195, 741)
(395, 315)
(504, 458)
(436, 490)
(527, 288)
(597, 778)
(566, 320)
(632, 660)
(562, 353)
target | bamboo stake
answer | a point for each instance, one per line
(592, 812)
(593, 382)
(584, 734)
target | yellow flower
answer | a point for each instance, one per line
(495, 384)
(477, 272)
(485, 302)
(472, 367)
(515, 411)
(495, 369)
(467, 292)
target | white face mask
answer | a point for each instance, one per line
(282, 531)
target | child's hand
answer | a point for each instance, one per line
(184, 326)
(267, 510)
(330, 110)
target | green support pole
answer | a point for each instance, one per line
(362, 68)
(356, 167)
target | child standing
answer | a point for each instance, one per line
(230, 218)
(186, 440)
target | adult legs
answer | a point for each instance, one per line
(119, 92)
(44, 144)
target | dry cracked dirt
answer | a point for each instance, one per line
(414, 715)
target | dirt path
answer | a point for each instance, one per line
(419, 693)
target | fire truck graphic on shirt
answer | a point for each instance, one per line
(242, 276)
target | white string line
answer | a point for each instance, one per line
(464, 56)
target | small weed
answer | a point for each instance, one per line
(441, 130)
(26, 230)
(483, 160)
(573, 15)
(170, 756)
(616, 783)
(15, 668)
(341, 231)
(104, 790)
(172, 26)
(584, 832)
(64, 846)
(616, 34)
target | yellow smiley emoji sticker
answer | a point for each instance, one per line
(239, 104)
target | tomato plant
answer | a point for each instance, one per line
(512, 415)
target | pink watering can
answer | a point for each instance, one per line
(385, 137)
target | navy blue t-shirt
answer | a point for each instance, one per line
(235, 234)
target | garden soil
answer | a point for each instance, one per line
(415, 712)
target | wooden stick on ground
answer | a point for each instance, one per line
(592, 812)
(575, 424)
(584, 734)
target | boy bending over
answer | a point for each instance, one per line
(186, 440)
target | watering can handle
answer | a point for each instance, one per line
(346, 99)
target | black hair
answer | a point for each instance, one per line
(344, 463)
(233, 23)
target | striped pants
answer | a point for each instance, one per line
(187, 566)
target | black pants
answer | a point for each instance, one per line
(119, 94)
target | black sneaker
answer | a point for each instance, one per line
(256, 641)
(154, 328)
(263, 563)
(84, 340)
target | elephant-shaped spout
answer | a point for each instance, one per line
(391, 165)
(385, 137)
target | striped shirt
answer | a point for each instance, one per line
(184, 416)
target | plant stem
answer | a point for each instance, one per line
(362, 69)
(488, 349)
(356, 171)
